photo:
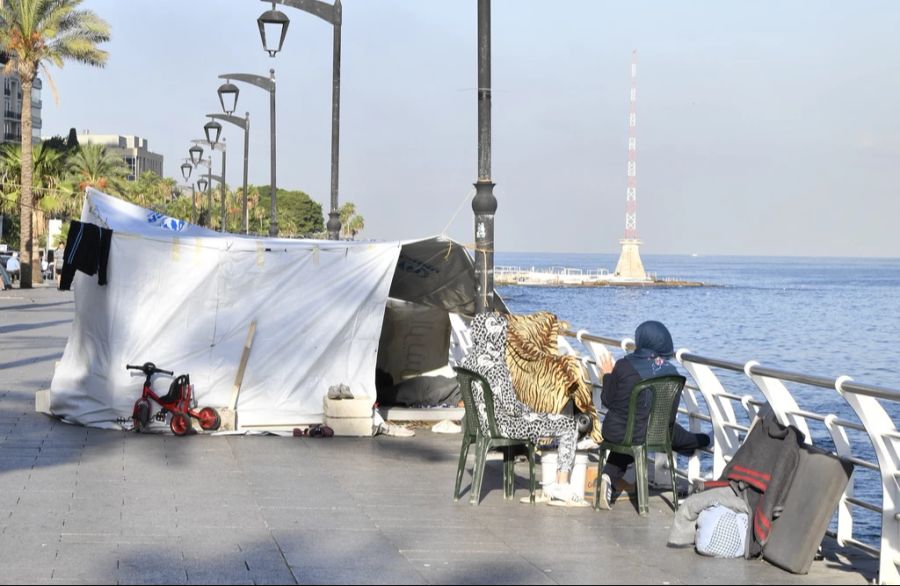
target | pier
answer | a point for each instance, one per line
(573, 277)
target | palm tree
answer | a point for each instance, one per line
(34, 33)
(351, 222)
(94, 166)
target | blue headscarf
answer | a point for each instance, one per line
(653, 349)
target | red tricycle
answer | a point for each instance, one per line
(179, 401)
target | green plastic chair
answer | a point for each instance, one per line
(666, 394)
(484, 444)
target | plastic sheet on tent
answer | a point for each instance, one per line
(183, 297)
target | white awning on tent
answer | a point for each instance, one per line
(183, 297)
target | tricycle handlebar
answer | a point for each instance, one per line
(149, 369)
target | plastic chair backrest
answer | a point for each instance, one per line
(488, 394)
(666, 395)
(465, 378)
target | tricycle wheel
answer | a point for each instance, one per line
(141, 414)
(180, 424)
(209, 419)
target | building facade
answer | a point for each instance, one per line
(132, 149)
(12, 109)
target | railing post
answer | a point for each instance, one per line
(693, 406)
(842, 445)
(780, 400)
(883, 435)
(721, 412)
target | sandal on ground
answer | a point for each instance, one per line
(563, 495)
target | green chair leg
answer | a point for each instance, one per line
(674, 481)
(600, 465)
(460, 470)
(509, 473)
(482, 445)
(640, 467)
(531, 482)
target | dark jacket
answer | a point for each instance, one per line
(87, 250)
(762, 470)
(615, 396)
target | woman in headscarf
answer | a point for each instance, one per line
(650, 359)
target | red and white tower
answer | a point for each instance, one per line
(630, 266)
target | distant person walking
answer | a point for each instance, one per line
(13, 267)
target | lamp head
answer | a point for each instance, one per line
(213, 131)
(228, 97)
(273, 25)
(196, 153)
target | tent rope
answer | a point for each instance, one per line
(469, 195)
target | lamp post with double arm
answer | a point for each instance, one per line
(277, 24)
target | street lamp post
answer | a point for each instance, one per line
(268, 84)
(484, 205)
(216, 146)
(331, 14)
(243, 123)
(202, 185)
(186, 168)
(196, 154)
(228, 97)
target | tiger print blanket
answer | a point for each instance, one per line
(543, 379)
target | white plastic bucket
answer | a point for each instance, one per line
(548, 469)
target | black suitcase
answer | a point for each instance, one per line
(814, 494)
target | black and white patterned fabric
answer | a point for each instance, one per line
(515, 420)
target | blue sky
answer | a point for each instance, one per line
(763, 128)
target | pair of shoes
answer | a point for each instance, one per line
(606, 490)
(563, 495)
(317, 430)
(394, 430)
(340, 391)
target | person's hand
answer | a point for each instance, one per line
(606, 363)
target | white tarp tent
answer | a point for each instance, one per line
(182, 296)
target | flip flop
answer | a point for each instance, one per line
(569, 503)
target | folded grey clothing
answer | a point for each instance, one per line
(421, 391)
(684, 526)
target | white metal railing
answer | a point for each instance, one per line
(721, 409)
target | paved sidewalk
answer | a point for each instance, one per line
(82, 505)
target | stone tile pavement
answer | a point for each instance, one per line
(82, 505)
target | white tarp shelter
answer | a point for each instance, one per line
(183, 296)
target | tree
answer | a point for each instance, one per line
(150, 191)
(34, 33)
(94, 166)
(351, 222)
(298, 214)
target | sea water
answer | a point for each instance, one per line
(818, 316)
